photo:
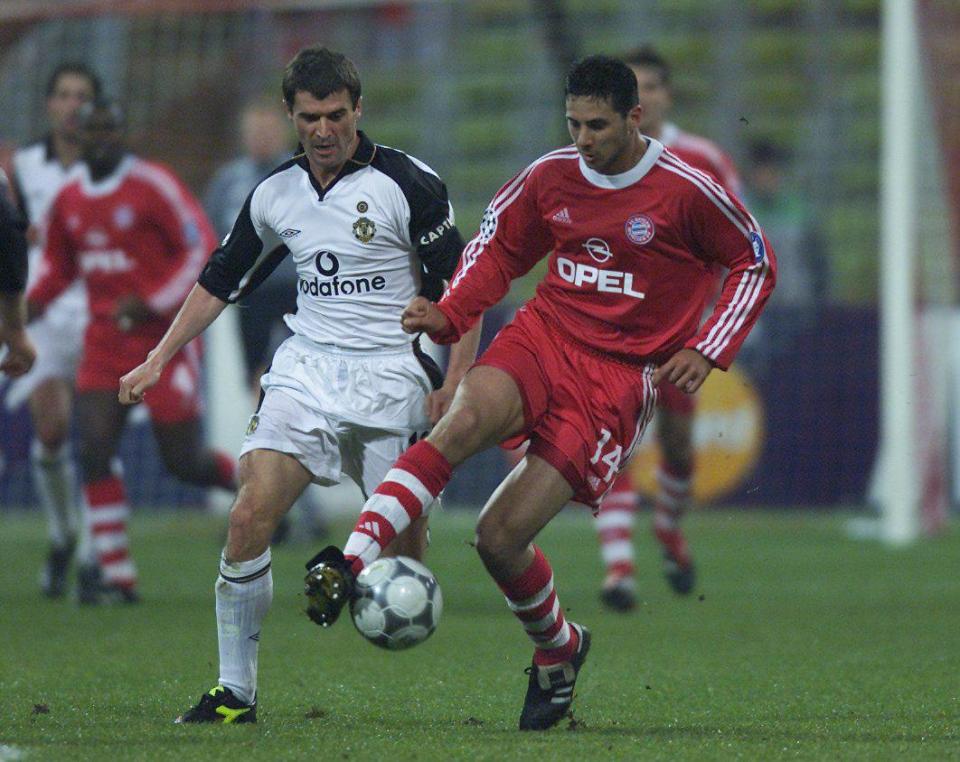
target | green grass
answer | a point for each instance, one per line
(804, 645)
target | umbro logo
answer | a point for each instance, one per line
(289, 233)
(563, 217)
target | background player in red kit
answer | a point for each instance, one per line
(675, 410)
(634, 235)
(137, 237)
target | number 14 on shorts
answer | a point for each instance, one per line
(611, 459)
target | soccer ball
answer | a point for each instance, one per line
(397, 603)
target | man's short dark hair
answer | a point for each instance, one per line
(604, 78)
(320, 72)
(77, 69)
(648, 57)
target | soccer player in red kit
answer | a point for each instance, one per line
(138, 239)
(675, 409)
(633, 235)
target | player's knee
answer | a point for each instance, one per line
(248, 527)
(52, 433)
(460, 433)
(496, 542)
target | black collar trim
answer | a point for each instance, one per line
(362, 157)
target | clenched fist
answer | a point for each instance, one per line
(422, 315)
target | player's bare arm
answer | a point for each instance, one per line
(687, 370)
(20, 353)
(199, 310)
(462, 356)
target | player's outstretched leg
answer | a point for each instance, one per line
(220, 705)
(673, 494)
(407, 493)
(615, 532)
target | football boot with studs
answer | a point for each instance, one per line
(328, 585)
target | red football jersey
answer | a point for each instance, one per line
(137, 232)
(703, 154)
(632, 257)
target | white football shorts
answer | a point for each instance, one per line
(58, 338)
(341, 411)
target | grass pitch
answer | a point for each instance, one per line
(797, 644)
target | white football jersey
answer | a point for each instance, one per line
(38, 178)
(382, 232)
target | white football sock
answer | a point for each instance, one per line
(244, 592)
(55, 479)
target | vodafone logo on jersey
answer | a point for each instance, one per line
(639, 229)
(327, 265)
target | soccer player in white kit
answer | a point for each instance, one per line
(369, 228)
(40, 170)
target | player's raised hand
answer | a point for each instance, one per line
(687, 370)
(137, 381)
(422, 315)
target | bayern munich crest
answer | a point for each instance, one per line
(639, 229)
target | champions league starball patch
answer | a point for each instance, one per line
(639, 229)
(759, 251)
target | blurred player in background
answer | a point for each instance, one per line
(134, 234)
(675, 410)
(264, 135)
(17, 353)
(349, 391)
(634, 237)
(39, 172)
(265, 140)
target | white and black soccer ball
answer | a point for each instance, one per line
(397, 603)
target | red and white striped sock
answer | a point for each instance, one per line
(673, 495)
(615, 529)
(106, 502)
(406, 493)
(533, 600)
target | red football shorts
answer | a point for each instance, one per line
(583, 413)
(672, 399)
(108, 353)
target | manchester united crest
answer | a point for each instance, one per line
(364, 230)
